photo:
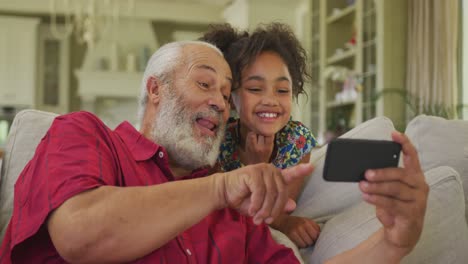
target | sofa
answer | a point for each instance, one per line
(345, 219)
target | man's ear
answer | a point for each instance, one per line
(153, 89)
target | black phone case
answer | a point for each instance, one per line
(348, 159)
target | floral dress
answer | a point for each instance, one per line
(292, 143)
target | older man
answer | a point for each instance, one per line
(91, 194)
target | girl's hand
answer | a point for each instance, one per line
(258, 148)
(302, 231)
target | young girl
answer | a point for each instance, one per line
(268, 67)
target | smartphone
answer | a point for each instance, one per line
(348, 159)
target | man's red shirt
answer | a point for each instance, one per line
(80, 153)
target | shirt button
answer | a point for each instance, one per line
(188, 252)
(161, 154)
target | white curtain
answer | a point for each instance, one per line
(432, 53)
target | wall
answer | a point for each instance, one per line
(112, 53)
(167, 31)
(130, 37)
(237, 14)
(180, 17)
(465, 57)
(77, 55)
(159, 22)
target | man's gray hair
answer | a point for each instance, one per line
(163, 62)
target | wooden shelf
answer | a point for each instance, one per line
(373, 27)
(346, 15)
(348, 54)
(335, 104)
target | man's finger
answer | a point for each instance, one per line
(258, 190)
(297, 172)
(270, 197)
(385, 217)
(383, 175)
(282, 197)
(389, 205)
(392, 189)
(391, 174)
(410, 159)
(289, 206)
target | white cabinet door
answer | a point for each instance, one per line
(53, 71)
(18, 41)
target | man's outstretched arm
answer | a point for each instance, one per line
(400, 197)
(120, 224)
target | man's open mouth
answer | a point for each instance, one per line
(207, 126)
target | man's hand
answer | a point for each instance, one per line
(258, 148)
(259, 190)
(400, 197)
(302, 231)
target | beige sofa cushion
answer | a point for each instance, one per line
(321, 200)
(441, 142)
(445, 232)
(27, 130)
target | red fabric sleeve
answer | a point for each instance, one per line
(74, 156)
(261, 248)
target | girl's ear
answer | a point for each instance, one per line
(153, 88)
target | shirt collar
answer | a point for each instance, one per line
(141, 147)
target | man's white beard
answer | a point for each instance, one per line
(174, 130)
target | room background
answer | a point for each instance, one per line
(367, 58)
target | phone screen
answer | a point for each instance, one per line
(348, 159)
